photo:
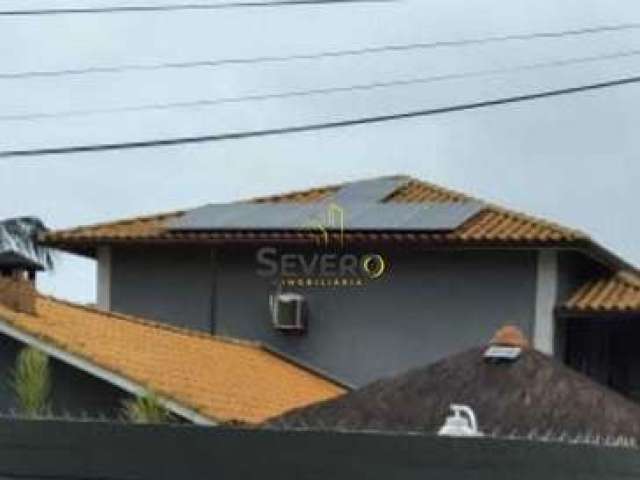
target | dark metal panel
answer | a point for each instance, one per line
(249, 216)
(357, 216)
(409, 216)
(375, 190)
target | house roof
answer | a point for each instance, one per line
(492, 224)
(533, 395)
(220, 379)
(617, 293)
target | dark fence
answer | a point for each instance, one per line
(84, 450)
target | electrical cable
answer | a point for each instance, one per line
(318, 126)
(321, 55)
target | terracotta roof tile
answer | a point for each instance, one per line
(493, 224)
(616, 293)
(222, 379)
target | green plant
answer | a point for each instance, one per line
(145, 409)
(32, 383)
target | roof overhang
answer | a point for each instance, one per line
(411, 240)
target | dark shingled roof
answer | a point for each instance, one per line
(533, 395)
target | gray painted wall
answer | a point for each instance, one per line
(74, 392)
(166, 284)
(428, 305)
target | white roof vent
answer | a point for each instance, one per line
(504, 353)
(461, 424)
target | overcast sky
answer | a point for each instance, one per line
(572, 159)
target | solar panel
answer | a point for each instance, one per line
(357, 216)
(250, 216)
(409, 216)
(374, 190)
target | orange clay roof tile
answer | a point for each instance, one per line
(617, 293)
(492, 224)
(222, 379)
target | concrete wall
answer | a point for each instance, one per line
(103, 273)
(546, 299)
(166, 284)
(74, 392)
(428, 305)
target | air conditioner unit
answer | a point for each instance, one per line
(288, 312)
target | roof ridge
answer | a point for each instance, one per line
(434, 186)
(123, 221)
(539, 220)
(507, 210)
(327, 188)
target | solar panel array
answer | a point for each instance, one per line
(357, 217)
(355, 207)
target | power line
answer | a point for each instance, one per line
(318, 126)
(319, 91)
(322, 55)
(174, 7)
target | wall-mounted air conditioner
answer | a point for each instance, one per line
(288, 312)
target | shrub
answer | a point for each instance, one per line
(145, 409)
(31, 383)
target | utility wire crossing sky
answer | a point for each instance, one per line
(328, 54)
(175, 7)
(319, 91)
(320, 126)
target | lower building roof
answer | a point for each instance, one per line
(617, 293)
(214, 378)
(532, 395)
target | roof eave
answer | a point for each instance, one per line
(80, 363)
(87, 247)
(612, 313)
(605, 256)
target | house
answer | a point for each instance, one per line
(367, 279)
